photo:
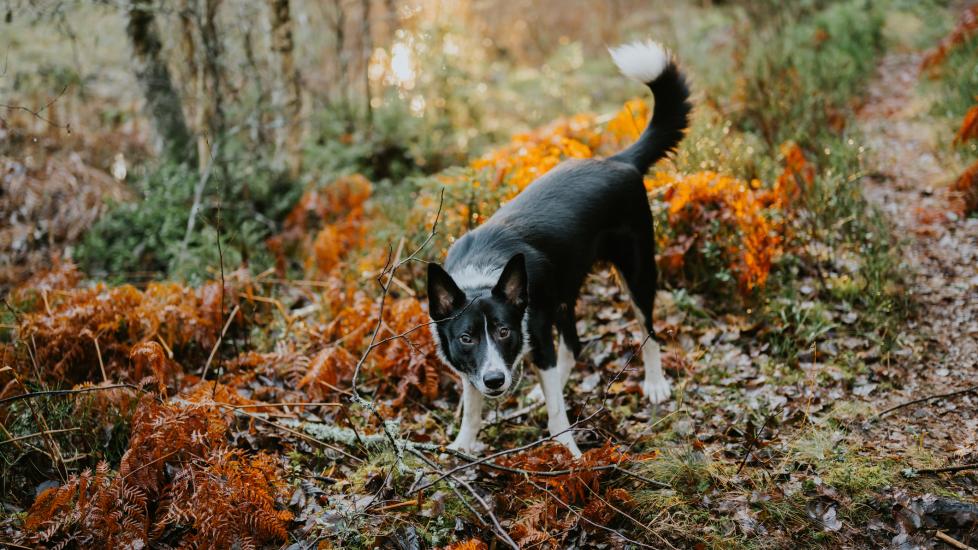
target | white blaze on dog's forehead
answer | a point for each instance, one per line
(475, 276)
(643, 61)
(492, 360)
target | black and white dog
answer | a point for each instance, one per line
(507, 284)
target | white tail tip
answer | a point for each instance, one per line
(643, 61)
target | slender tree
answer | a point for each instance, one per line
(163, 104)
(288, 101)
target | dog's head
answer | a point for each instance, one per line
(481, 332)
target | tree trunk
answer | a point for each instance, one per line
(368, 50)
(162, 102)
(288, 91)
(210, 110)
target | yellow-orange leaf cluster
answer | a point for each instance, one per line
(531, 155)
(706, 209)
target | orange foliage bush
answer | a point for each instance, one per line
(65, 326)
(406, 361)
(325, 224)
(177, 479)
(470, 544)
(710, 213)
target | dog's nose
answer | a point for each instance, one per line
(494, 380)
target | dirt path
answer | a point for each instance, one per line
(905, 145)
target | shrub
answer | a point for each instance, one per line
(154, 236)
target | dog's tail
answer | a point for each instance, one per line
(650, 63)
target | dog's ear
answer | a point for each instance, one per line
(444, 296)
(512, 283)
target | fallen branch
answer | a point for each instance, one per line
(952, 541)
(960, 468)
(286, 429)
(924, 399)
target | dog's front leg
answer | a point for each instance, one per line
(468, 432)
(552, 380)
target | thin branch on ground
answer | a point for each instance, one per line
(950, 541)
(955, 393)
(948, 469)
(38, 434)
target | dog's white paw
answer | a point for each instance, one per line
(466, 444)
(658, 391)
(567, 440)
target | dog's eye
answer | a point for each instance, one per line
(503, 332)
(466, 340)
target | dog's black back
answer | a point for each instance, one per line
(531, 257)
(579, 213)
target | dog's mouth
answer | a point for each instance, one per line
(517, 377)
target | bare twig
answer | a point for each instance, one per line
(37, 114)
(217, 344)
(290, 431)
(198, 194)
(101, 365)
(535, 473)
(929, 398)
(53, 446)
(473, 461)
(284, 404)
(389, 270)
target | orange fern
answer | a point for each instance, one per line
(969, 126)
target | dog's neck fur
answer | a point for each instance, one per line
(476, 277)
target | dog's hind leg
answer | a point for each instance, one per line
(639, 273)
(468, 432)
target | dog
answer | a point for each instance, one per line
(509, 283)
